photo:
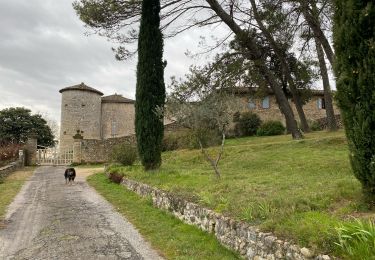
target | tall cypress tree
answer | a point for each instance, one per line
(354, 31)
(150, 89)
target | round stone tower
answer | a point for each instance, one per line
(80, 113)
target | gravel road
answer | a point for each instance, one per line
(51, 220)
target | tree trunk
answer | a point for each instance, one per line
(255, 55)
(332, 126)
(286, 69)
(314, 24)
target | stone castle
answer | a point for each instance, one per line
(86, 111)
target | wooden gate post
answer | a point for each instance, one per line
(77, 148)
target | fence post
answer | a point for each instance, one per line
(30, 148)
(77, 148)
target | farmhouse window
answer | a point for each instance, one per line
(321, 103)
(251, 103)
(266, 102)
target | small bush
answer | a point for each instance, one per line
(357, 239)
(207, 137)
(315, 126)
(124, 153)
(176, 140)
(248, 124)
(115, 177)
(271, 128)
(189, 139)
(9, 152)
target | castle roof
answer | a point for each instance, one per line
(82, 87)
(116, 99)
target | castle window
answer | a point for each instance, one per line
(64, 132)
(83, 105)
(251, 103)
(66, 105)
(266, 102)
(321, 104)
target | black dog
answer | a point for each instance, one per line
(69, 175)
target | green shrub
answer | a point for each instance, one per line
(315, 126)
(248, 124)
(125, 154)
(207, 137)
(357, 239)
(236, 117)
(271, 128)
(189, 139)
(176, 140)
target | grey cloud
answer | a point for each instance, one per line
(43, 49)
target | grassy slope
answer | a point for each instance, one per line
(11, 186)
(168, 235)
(297, 189)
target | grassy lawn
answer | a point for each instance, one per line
(11, 186)
(300, 190)
(172, 238)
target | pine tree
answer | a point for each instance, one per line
(354, 42)
(150, 89)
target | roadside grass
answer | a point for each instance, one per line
(10, 186)
(300, 190)
(168, 235)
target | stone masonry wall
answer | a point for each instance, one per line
(236, 235)
(117, 119)
(311, 109)
(93, 151)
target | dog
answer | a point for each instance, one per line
(70, 175)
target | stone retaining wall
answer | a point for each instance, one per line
(247, 240)
(7, 170)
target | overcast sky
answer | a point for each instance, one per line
(43, 49)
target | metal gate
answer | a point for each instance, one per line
(54, 156)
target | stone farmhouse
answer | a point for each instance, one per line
(268, 109)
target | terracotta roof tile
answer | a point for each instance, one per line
(82, 87)
(116, 99)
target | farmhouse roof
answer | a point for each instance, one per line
(248, 90)
(116, 99)
(82, 87)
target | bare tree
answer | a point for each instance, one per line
(109, 18)
(211, 110)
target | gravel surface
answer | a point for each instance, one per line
(51, 220)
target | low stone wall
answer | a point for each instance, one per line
(248, 241)
(94, 151)
(7, 170)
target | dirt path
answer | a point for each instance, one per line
(51, 220)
